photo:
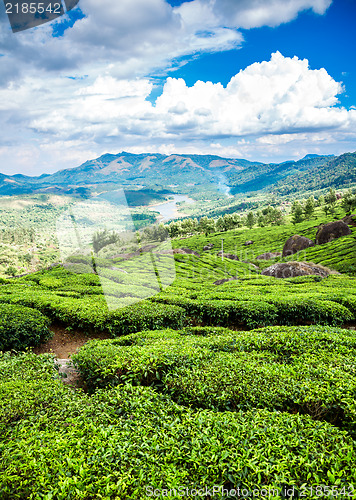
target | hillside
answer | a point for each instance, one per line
(197, 175)
(339, 172)
(239, 383)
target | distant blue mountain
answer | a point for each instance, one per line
(180, 173)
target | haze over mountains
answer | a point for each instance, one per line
(189, 174)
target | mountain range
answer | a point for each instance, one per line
(188, 174)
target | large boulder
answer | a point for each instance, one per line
(295, 244)
(331, 231)
(230, 256)
(268, 256)
(291, 269)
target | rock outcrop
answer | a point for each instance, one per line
(331, 231)
(292, 269)
(295, 244)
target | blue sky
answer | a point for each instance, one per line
(266, 80)
(327, 41)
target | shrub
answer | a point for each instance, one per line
(141, 361)
(301, 369)
(144, 316)
(298, 310)
(72, 446)
(22, 327)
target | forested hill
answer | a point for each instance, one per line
(339, 172)
(189, 174)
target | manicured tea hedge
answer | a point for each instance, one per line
(251, 301)
(91, 312)
(110, 363)
(21, 327)
(66, 445)
(144, 316)
(263, 311)
(301, 369)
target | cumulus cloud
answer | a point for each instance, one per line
(135, 37)
(268, 104)
(132, 37)
(281, 96)
(60, 121)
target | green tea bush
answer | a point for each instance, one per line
(285, 342)
(144, 316)
(22, 327)
(107, 363)
(309, 384)
(127, 441)
(264, 309)
(225, 312)
(294, 310)
(28, 387)
(301, 369)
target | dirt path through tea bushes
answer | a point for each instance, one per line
(64, 343)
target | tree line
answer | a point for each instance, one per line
(305, 210)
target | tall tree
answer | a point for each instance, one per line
(330, 200)
(309, 207)
(348, 202)
(250, 220)
(206, 225)
(297, 212)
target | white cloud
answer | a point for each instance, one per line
(249, 13)
(266, 106)
(49, 121)
(136, 37)
(130, 37)
(282, 95)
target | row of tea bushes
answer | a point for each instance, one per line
(22, 327)
(302, 369)
(264, 311)
(78, 301)
(144, 316)
(91, 313)
(128, 441)
(339, 254)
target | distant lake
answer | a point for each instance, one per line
(169, 209)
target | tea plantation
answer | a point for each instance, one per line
(203, 390)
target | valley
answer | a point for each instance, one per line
(191, 362)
